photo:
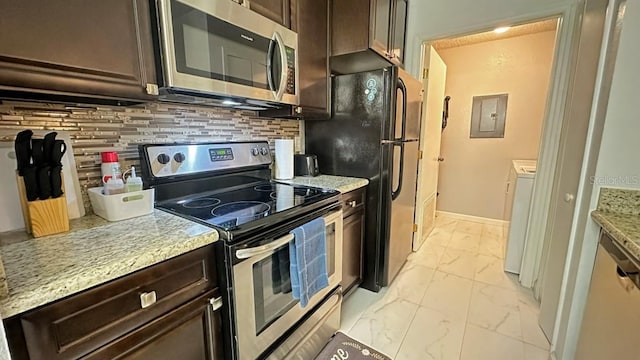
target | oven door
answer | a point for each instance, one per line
(265, 308)
(222, 48)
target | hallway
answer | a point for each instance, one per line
(451, 301)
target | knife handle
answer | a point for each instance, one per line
(57, 151)
(56, 182)
(37, 152)
(44, 183)
(29, 175)
(47, 147)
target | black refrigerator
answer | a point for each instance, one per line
(374, 133)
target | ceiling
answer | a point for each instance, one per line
(526, 29)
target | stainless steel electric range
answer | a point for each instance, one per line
(227, 186)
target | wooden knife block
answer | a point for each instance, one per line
(43, 217)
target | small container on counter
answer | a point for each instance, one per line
(134, 182)
(121, 206)
(114, 186)
(110, 166)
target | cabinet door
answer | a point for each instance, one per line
(399, 31)
(191, 332)
(77, 47)
(313, 59)
(276, 10)
(352, 241)
(380, 26)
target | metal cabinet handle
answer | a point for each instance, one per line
(147, 299)
(440, 158)
(251, 252)
(216, 303)
(352, 203)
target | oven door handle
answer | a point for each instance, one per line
(258, 250)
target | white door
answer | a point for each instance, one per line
(434, 84)
(573, 138)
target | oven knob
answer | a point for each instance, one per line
(255, 152)
(264, 151)
(179, 157)
(163, 159)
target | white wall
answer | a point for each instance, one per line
(473, 177)
(434, 19)
(618, 166)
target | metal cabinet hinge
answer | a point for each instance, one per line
(425, 73)
(415, 228)
(420, 153)
(152, 89)
(216, 303)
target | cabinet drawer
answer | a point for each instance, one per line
(353, 201)
(191, 332)
(75, 326)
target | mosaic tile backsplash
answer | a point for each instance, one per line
(95, 129)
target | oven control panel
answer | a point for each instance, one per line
(190, 159)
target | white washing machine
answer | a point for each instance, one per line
(516, 211)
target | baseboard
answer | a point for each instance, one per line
(472, 218)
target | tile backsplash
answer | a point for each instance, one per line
(94, 129)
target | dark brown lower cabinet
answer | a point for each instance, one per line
(352, 239)
(170, 310)
(187, 333)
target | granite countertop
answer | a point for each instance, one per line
(618, 213)
(623, 228)
(340, 183)
(95, 251)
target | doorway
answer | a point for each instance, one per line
(496, 85)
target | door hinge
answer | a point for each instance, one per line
(420, 154)
(425, 73)
(415, 228)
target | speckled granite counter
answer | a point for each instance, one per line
(618, 213)
(340, 183)
(95, 251)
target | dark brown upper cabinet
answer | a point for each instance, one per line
(276, 10)
(398, 39)
(310, 19)
(102, 50)
(367, 34)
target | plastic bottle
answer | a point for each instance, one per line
(110, 166)
(114, 185)
(134, 183)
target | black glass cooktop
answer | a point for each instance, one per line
(230, 209)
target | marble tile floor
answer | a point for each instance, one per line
(451, 300)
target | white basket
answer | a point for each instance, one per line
(121, 206)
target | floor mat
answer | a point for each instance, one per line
(343, 347)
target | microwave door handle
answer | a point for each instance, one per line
(284, 66)
(259, 250)
(272, 86)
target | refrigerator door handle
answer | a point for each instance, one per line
(403, 89)
(396, 192)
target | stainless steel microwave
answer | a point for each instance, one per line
(221, 53)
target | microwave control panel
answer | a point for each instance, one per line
(291, 71)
